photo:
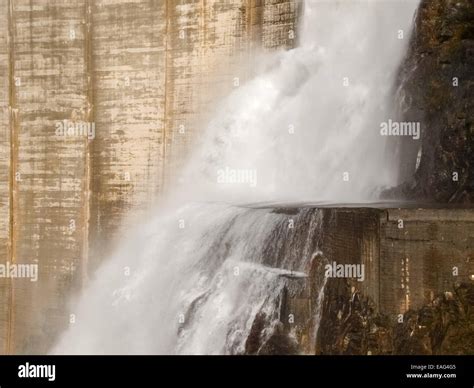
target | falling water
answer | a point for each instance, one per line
(204, 271)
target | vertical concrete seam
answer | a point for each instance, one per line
(299, 12)
(379, 271)
(249, 40)
(12, 173)
(165, 102)
(90, 113)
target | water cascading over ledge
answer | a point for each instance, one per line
(209, 278)
(243, 286)
(252, 281)
(181, 272)
(129, 68)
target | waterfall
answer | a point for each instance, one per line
(208, 274)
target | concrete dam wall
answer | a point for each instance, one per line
(100, 102)
(413, 294)
(417, 295)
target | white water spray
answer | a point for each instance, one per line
(308, 127)
(305, 128)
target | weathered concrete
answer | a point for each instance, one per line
(145, 74)
(5, 192)
(128, 54)
(433, 250)
(154, 90)
(47, 173)
(409, 254)
(212, 43)
(410, 257)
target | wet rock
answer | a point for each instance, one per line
(280, 341)
(350, 325)
(436, 88)
(253, 343)
(293, 331)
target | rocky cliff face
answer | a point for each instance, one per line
(436, 89)
(352, 325)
